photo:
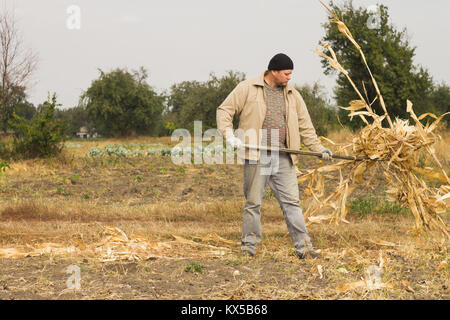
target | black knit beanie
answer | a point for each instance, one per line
(280, 62)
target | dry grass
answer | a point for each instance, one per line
(412, 266)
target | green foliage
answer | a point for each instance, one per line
(323, 115)
(170, 127)
(74, 179)
(25, 109)
(42, 136)
(181, 170)
(95, 152)
(10, 97)
(438, 102)
(371, 205)
(118, 150)
(123, 104)
(5, 150)
(193, 100)
(128, 150)
(195, 267)
(389, 56)
(235, 262)
(62, 191)
(422, 160)
(3, 167)
(76, 118)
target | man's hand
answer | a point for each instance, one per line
(327, 154)
(234, 142)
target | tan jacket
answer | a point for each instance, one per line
(247, 101)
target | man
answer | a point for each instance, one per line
(271, 110)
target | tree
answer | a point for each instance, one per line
(19, 104)
(25, 109)
(16, 67)
(123, 104)
(323, 115)
(76, 118)
(192, 100)
(40, 137)
(439, 101)
(389, 56)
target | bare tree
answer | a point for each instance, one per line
(16, 66)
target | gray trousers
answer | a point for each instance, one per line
(279, 172)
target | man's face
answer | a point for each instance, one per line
(282, 77)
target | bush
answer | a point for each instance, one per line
(120, 103)
(5, 150)
(193, 100)
(371, 205)
(195, 267)
(42, 136)
(170, 127)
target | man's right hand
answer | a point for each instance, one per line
(327, 154)
(234, 142)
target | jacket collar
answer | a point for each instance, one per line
(260, 83)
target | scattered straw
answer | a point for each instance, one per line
(116, 246)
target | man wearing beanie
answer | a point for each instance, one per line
(271, 113)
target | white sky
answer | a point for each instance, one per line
(180, 40)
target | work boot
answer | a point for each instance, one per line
(310, 253)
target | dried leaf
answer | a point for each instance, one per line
(342, 270)
(318, 219)
(356, 105)
(320, 270)
(444, 197)
(358, 172)
(427, 115)
(384, 243)
(430, 174)
(442, 265)
(351, 286)
(407, 287)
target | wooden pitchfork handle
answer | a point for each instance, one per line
(305, 153)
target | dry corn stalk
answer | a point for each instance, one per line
(116, 246)
(395, 149)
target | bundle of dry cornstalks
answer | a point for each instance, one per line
(395, 148)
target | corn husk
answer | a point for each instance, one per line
(394, 148)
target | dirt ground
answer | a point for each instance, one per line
(231, 277)
(75, 197)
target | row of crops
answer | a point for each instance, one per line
(130, 150)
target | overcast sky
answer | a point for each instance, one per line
(178, 40)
